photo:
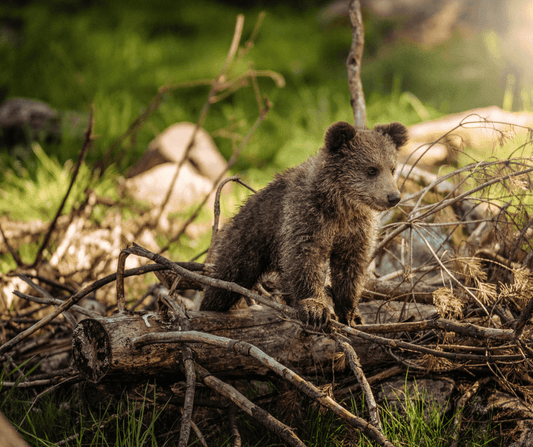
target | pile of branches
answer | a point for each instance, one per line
(478, 278)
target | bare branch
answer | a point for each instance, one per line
(353, 64)
(247, 349)
(84, 149)
(355, 365)
(231, 162)
(79, 295)
(189, 396)
(13, 252)
(205, 109)
(277, 427)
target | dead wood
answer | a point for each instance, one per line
(81, 157)
(102, 346)
(264, 418)
(246, 349)
(461, 405)
(8, 345)
(421, 293)
(353, 64)
(355, 365)
(237, 440)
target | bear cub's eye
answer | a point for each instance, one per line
(372, 172)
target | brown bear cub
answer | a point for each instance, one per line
(321, 213)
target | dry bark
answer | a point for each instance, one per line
(102, 346)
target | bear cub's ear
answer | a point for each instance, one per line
(338, 134)
(396, 131)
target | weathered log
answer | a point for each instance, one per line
(421, 293)
(102, 346)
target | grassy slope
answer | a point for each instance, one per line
(116, 57)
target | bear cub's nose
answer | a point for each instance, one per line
(394, 199)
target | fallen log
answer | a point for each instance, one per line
(103, 348)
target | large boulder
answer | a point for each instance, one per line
(476, 129)
(152, 186)
(151, 178)
(23, 120)
(170, 146)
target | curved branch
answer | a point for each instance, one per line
(247, 349)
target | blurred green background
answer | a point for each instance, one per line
(115, 55)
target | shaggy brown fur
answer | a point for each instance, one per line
(322, 212)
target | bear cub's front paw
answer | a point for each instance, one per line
(353, 319)
(313, 312)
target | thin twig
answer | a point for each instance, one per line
(353, 64)
(140, 251)
(355, 365)
(205, 109)
(217, 216)
(443, 267)
(189, 396)
(230, 163)
(73, 379)
(523, 319)
(390, 372)
(121, 300)
(260, 415)
(416, 348)
(56, 302)
(432, 209)
(235, 179)
(199, 435)
(68, 316)
(460, 408)
(13, 252)
(152, 107)
(84, 292)
(84, 149)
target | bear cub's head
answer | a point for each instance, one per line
(362, 163)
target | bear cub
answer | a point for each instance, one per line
(322, 213)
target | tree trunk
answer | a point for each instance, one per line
(102, 347)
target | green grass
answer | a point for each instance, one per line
(124, 422)
(117, 56)
(417, 420)
(37, 195)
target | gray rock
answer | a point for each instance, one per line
(151, 186)
(151, 178)
(170, 146)
(24, 120)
